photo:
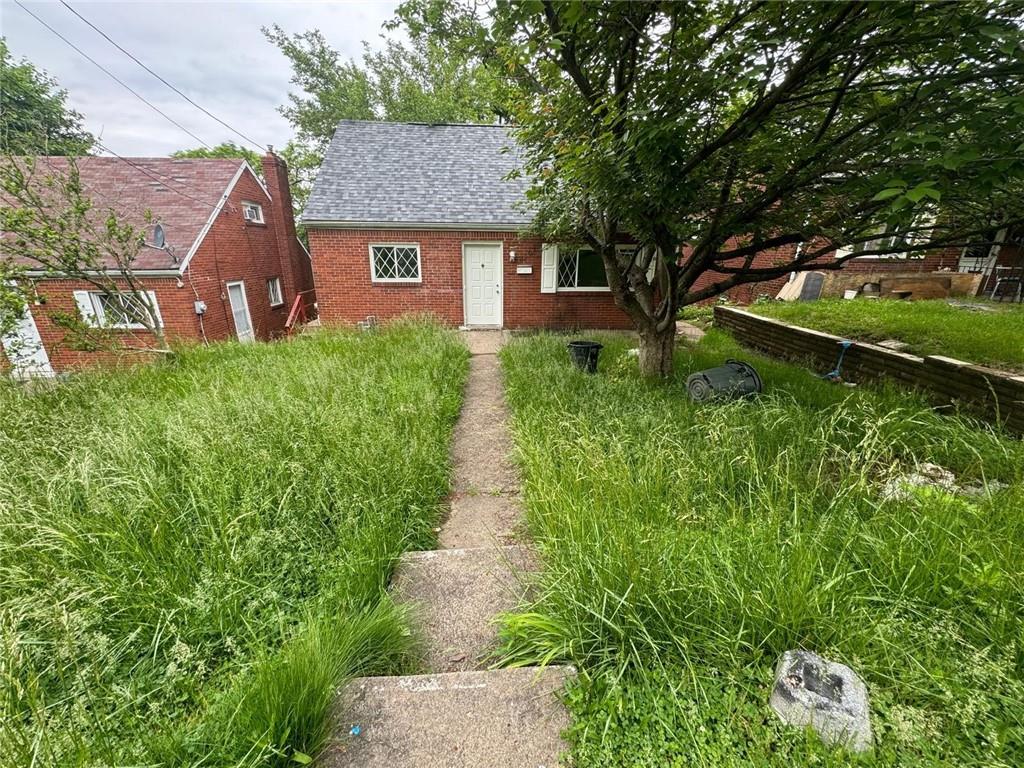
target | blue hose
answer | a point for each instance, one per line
(834, 374)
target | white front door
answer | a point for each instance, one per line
(482, 281)
(24, 349)
(240, 312)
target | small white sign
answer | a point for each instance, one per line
(524, 269)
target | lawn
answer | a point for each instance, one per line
(194, 554)
(994, 337)
(685, 547)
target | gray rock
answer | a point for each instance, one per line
(927, 476)
(894, 344)
(825, 695)
(979, 488)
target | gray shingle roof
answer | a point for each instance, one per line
(414, 173)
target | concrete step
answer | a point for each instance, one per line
(503, 718)
(456, 594)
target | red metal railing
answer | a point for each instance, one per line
(303, 310)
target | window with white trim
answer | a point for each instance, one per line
(897, 236)
(122, 310)
(253, 212)
(274, 292)
(395, 263)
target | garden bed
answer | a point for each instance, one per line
(976, 331)
(687, 546)
(193, 555)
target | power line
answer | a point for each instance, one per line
(162, 80)
(114, 77)
(155, 176)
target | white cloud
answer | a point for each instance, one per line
(214, 52)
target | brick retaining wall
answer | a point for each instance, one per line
(994, 395)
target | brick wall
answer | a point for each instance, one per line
(57, 298)
(346, 293)
(989, 393)
(933, 261)
(236, 250)
(749, 292)
(233, 250)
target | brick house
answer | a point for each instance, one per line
(992, 267)
(409, 217)
(221, 259)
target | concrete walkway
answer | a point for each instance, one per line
(462, 715)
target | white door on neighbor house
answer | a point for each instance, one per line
(481, 275)
(24, 349)
(240, 312)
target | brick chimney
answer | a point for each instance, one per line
(298, 274)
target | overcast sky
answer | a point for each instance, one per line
(214, 52)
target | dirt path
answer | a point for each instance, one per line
(485, 499)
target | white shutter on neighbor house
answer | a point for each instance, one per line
(156, 308)
(86, 308)
(548, 268)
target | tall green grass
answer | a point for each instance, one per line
(193, 555)
(687, 546)
(994, 337)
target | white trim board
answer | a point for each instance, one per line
(242, 167)
(258, 180)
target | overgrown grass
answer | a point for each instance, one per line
(994, 337)
(193, 555)
(687, 546)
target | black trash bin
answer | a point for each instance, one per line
(584, 354)
(734, 379)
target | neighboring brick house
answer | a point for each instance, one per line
(410, 217)
(221, 257)
(997, 258)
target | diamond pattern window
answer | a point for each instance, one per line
(397, 263)
(120, 310)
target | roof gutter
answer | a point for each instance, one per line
(47, 275)
(434, 225)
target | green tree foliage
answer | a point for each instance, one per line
(55, 228)
(302, 162)
(425, 82)
(741, 129)
(418, 83)
(227, 149)
(34, 116)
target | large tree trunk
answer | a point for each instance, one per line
(656, 348)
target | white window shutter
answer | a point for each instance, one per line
(156, 308)
(86, 308)
(548, 268)
(652, 268)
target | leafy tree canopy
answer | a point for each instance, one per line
(227, 149)
(302, 162)
(53, 226)
(742, 128)
(418, 83)
(34, 116)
